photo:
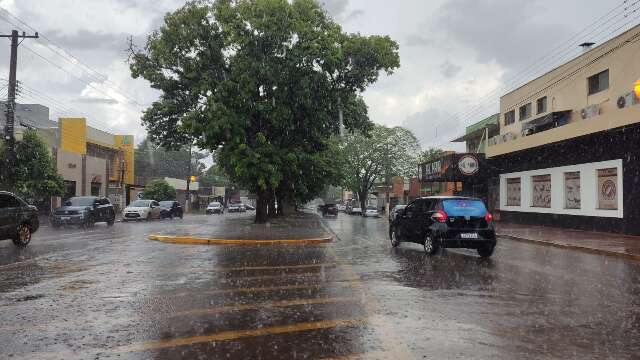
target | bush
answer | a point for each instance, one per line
(159, 190)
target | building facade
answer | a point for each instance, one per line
(567, 151)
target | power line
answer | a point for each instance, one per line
(67, 56)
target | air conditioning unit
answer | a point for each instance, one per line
(627, 100)
(590, 111)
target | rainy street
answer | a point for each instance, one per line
(110, 293)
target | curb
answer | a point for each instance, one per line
(189, 240)
(573, 247)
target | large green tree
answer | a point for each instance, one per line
(266, 84)
(36, 178)
(383, 153)
(159, 190)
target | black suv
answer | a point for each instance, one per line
(171, 209)
(445, 222)
(18, 220)
(84, 211)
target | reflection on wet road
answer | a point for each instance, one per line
(110, 293)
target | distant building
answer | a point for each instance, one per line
(91, 161)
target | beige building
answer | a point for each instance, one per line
(568, 149)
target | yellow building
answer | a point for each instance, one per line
(92, 161)
(568, 148)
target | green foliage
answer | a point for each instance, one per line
(35, 173)
(159, 190)
(376, 157)
(264, 84)
(429, 155)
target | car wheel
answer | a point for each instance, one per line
(55, 225)
(23, 236)
(430, 246)
(394, 238)
(111, 222)
(90, 222)
(486, 251)
(148, 217)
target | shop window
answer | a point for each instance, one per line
(509, 117)
(69, 189)
(572, 190)
(541, 191)
(513, 192)
(608, 189)
(541, 105)
(525, 112)
(598, 82)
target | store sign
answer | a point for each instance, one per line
(608, 189)
(432, 170)
(541, 191)
(468, 165)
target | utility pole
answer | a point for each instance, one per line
(187, 203)
(9, 136)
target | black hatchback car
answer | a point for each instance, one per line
(18, 220)
(84, 211)
(445, 222)
(171, 209)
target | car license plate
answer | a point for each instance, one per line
(469, 236)
(65, 218)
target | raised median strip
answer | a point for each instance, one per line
(191, 240)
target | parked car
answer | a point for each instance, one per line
(329, 210)
(18, 220)
(445, 222)
(215, 208)
(236, 207)
(171, 209)
(84, 211)
(342, 207)
(356, 210)
(371, 211)
(249, 207)
(394, 212)
(142, 210)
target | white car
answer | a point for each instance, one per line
(142, 210)
(215, 208)
(356, 210)
(371, 212)
(342, 207)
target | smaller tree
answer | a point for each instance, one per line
(429, 155)
(36, 177)
(159, 190)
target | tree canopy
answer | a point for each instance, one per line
(367, 159)
(152, 162)
(265, 83)
(159, 190)
(35, 172)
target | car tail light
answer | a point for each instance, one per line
(440, 216)
(488, 217)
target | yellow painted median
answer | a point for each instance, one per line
(190, 240)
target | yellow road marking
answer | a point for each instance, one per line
(282, 276)
(262, 305)
(261, 289)
(189, 240)
(302, 266)
(237, 334)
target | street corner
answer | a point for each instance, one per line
(193, 240)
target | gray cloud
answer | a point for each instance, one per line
(96, 101)
(506, 31)
(449, 70)
(417, 40)
(335, 8)
(85, 39)
(433, 127)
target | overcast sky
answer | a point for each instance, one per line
(456, 55)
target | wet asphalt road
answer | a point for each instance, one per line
(108, 293)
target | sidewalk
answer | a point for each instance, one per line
(598, 243)
(296, 227)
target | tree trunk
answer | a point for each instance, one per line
(272, 204)
(363, 201)
(281, 203)
(261, 207)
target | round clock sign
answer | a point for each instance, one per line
(468, 165)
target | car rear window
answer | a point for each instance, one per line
(464, 207)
